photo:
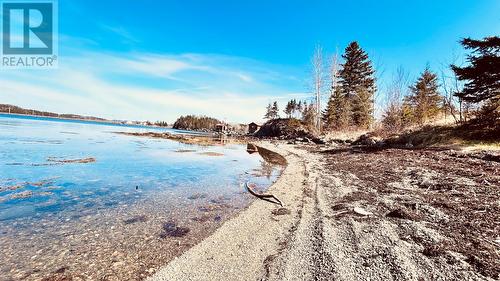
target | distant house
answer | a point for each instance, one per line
(220, 128)
(253, 127)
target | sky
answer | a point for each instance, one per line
(157, 60)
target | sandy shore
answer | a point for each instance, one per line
(243, 246)
(352, 214)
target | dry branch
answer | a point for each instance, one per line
(265, 197)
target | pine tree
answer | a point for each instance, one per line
(425, 99)
(357, 83)
(482, 76)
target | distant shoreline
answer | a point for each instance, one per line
(78, 120)
(16, 110)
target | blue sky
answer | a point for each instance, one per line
(156, 60)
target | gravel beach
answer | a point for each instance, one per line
(354, 214)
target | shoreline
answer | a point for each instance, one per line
(354, 213)
(243, 246)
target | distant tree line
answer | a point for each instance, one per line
(192, 122)
(161, 123)
(8, 108)
(300, 110)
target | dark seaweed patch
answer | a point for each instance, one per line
(171, 229)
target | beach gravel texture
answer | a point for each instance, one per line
(358, 215)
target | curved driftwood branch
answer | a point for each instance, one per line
(265, 197)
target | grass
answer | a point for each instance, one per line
(471, 136)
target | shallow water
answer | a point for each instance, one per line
(79, 201)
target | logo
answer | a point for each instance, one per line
(29, 34)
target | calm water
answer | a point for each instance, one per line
(72, 194)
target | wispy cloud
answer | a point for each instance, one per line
(121, 32)
(146, 86)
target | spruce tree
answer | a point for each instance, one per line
(336, 115)
(357, 82)
(425, 99)
(482, 76)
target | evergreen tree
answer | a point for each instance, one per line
(407, 116)
(269, 112)
(357, 82)
(336, 115)
(482, 76)
(425, 99)
(275, 111)
(290, 108)
(309, 114)
(192, 122)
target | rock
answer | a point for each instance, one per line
(252, 148)
(171, 229)
(285, 129)
(22, 195)
(402, 214)
(197, 196)
(367, 140)
(361, 211)
(318, 141)
(281, 211)
(135, 219)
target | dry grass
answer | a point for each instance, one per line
(468, 136)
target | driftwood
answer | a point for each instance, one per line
(266, 197)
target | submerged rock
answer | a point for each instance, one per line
(185, 150)
(197, 196)
(202, 218)
(211, 153)
(171, 229)
(141, 218)
(64, 161)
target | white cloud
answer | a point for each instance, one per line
(144, 86)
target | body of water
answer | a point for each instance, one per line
(79, 201)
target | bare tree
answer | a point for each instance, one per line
(451, 85)
(334, 72)
(396, 91)
(378, 98)
(318, 72)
